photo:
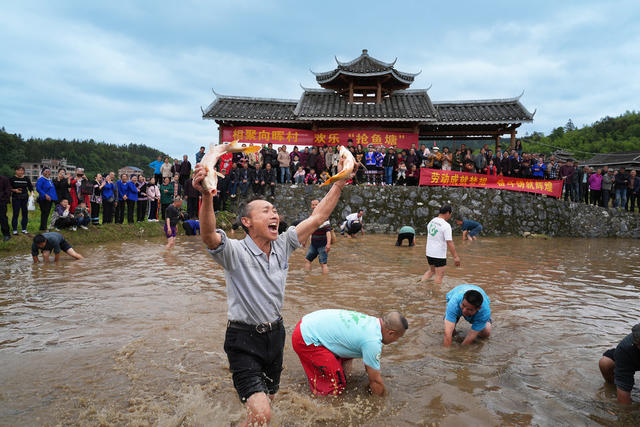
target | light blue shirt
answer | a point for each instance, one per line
(454, 299)
(345, 333)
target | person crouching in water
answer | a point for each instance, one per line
(326, 341)
(171, 223)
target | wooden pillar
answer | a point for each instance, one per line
(497, 143)
(512, 143)
(219, 134)
(351, 92)
(379, 93)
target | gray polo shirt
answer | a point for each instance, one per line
(255, 285)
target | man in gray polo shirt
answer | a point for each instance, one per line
(255, 270)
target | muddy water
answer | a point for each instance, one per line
(133, 335)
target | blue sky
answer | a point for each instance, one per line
(139, 72)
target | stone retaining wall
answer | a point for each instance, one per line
(501, 212)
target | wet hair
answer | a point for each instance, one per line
(474, 298)
(395, 321)
(39, 239)
(445, 209)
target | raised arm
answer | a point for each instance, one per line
(207, 216)
(320, 213)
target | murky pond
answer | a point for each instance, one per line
(133, 335)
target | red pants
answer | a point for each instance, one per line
(323, 368)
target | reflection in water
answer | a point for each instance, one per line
(133, 335)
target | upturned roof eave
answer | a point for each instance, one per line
(372, 74)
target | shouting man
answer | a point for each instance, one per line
(255, 271)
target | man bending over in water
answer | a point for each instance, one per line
(327, 341)
(619, 365)
(255, 271)
(47, 242)
(472, 303)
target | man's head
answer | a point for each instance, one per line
(622, 169)
(360, 213)
(394, 326)
(268, 166)
(445, 212)
(471, 302)
(19, 171)
(80, 173)
(633, 173)
(83, 204)
(64, 203)
(202, 149)
(159, 158)
(260, 219)
(177, 201)
(314, 203)
(40, 241)
(185, 158)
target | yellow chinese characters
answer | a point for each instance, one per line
(435, 176)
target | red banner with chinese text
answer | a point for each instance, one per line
(288, 136)
(465, 179)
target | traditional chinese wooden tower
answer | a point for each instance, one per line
(367, 94)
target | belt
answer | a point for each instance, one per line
(261, 328)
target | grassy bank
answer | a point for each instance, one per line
(21, 244)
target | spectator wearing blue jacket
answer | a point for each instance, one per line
(156, 165)
(46, 196)
(539, 169)
(131, 189)
(121, 185)
(108, 200)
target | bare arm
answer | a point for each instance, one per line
(375, 380)
(624, 397)
(35, 259)
(452, 249)
(449, 327)
(56, 257)
(207, 216)
(320, 213)
(328, 245)
(45, 256)
(471, 336)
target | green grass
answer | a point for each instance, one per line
(21, 244)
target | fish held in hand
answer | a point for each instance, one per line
(348, 164)
(209, 160)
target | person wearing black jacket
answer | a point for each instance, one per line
(185, 170)
(389, 163)
(620, 184)
(21, 186)
(505, 165)
(62, 185)
(5, 194)
(244, 178)
(193, 197)
(257, 180)
(269, 175)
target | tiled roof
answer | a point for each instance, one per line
(630, 158)
(365, 66)
(250, 109)
(482, 111)
(402, 105)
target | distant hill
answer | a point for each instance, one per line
(94, 157)
(610, 134)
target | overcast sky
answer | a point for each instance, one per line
(139, 72)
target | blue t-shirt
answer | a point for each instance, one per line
(194, 223)
(468, 224)
(345, 333)
(454, 299)
(156, 165)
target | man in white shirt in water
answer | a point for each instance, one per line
(439, 239)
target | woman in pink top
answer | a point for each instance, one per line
(595, 185)
(153, 194)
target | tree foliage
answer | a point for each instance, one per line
(94, 157)
(607, 135)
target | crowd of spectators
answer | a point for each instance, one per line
(77, 200)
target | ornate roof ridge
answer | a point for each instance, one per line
(365, 54)
(481, 101)
(252, 98)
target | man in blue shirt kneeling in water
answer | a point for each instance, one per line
(472, 303)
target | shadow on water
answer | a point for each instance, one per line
(133, 335)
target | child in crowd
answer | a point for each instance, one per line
(299, 176)
(82, 215)
(311, 177)
(402, 174)
(324, 176)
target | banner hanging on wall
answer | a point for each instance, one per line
(465, 179)
(334, 137)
